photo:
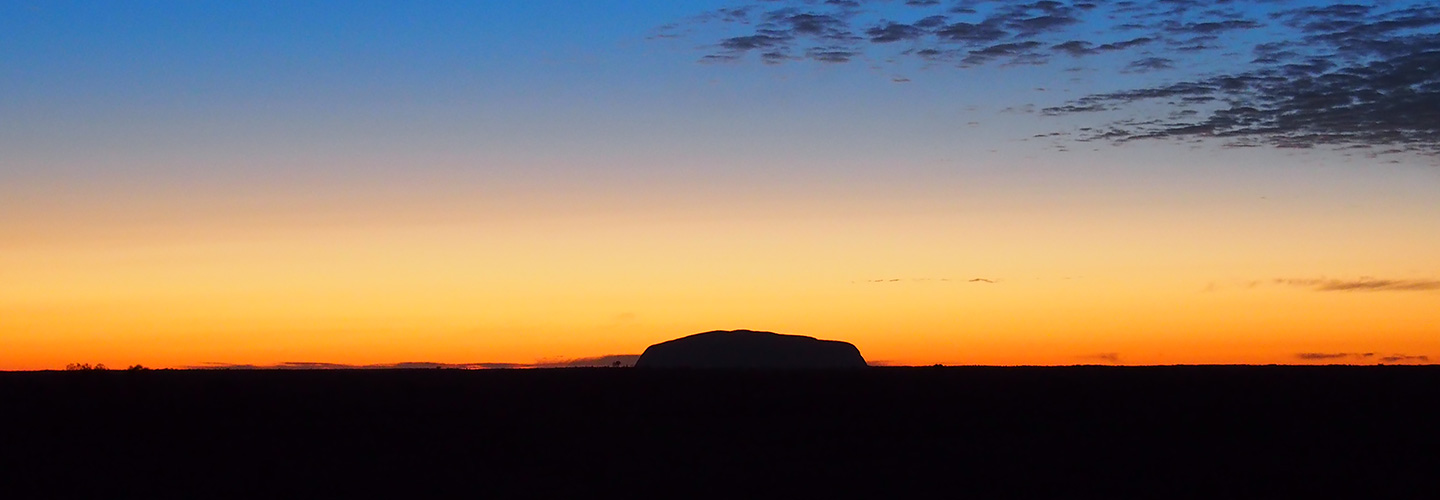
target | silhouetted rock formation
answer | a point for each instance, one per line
(749, 349)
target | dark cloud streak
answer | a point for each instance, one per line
(1366, 284)
(1331, 356)
(1362, 357)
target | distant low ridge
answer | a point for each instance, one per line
(748, 349)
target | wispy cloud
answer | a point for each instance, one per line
(1333, 356)
(1151, 64)
(1364, 284)
(1362, 357)
(1402, 358)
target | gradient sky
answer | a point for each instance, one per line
(212, 183)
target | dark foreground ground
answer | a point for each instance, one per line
(1076, 432)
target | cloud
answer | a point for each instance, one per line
(1364, 284)
(1033, 26)
(1402, 358)
(1343, 76)
(830, 29)
(309, 365)
(894, 32)
(1210, 27)
(1330, 356)
(830, 54)
(743, 43)
(1349, 79)
(1134, 42)
(1151, 64)
(984, 32)
(1015, 52)
(1362, 357)
(778, 33)
(1075, 48)
(1104, 357)
(854, 26)
(820, 26)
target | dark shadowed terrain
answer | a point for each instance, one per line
(1154, 432)
(749, 349)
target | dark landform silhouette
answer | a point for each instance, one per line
(890, 432)
(609, 360)
(747, 349)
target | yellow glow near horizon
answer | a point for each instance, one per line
(1068, 289)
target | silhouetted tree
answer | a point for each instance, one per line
(85, 367)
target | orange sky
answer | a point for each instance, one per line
(1079, 279)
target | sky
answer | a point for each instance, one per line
(210, 184)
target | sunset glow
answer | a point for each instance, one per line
(185, 185)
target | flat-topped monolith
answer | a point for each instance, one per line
(750, 350)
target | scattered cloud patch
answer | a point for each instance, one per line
(1342, 76)
(1348, 77)
(915, 28)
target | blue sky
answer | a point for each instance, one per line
(512, 77)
